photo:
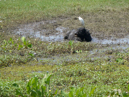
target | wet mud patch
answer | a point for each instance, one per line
(106, 27)
(44, 30)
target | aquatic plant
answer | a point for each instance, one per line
(71, 46)
(41, 88)
(37, 88)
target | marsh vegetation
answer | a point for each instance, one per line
(36, 61)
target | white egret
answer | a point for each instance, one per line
(82, 21)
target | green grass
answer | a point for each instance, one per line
(72, 64)
(68, 69)
(105, 78)
(18, 12)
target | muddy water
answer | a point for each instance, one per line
(106, 27)
(52, 31)
(120, 44)
(111, 41)
(29, 31)
(58, 35)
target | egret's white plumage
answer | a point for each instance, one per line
(81, 20)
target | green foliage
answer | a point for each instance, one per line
(13, 44)
(6, 88)
(71, 46)
(18, 51)
(78, 51)
(126, 94)
(11, 49)
(35, 88)
(23, 39)
(23, 11)
(41, 88)
(25, 44)
(118, 92)
(101, 72)
(119, 60)
(77, 92)
(71, 43)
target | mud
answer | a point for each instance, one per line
(109, 27)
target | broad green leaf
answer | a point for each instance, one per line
(32, 55)
(33, 93)
(34, 82)
(11, 41)
(28, 87)
(125, 95)
(5, 42)
(19, 93)
(71, 94)
(15, 84)
(77, 92)
(56, 92)
(38, 92)
(43, 90)
(70, 43)
(20, 46)
(29, 45)
(48, 80)
(23, 39)
(92, 91)
(25, 43)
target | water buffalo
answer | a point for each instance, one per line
(80, 34)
